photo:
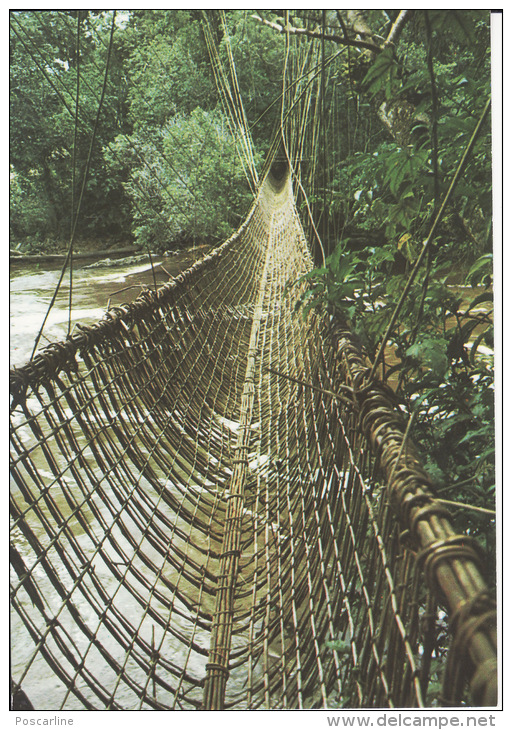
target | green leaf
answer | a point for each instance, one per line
(431, 353)
(485, 431)
(383, 75)
(481, 271)
(483, 297)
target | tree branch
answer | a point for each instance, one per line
(397, 27)
(318, 34)
(358, 23)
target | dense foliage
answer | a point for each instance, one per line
(44, 72)
(165, 168)
(439, 354)
(376, 134)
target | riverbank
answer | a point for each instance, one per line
(47, 258)
(93, 250)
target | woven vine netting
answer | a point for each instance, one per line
(211, 508)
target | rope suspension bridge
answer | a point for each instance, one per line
(215, 505)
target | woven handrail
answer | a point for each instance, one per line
(193, 526)
(451, 561)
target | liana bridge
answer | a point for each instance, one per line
(215, 505)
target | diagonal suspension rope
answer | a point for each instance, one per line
(231, 99)
(284, 140)
(73, 170)
(82, 190)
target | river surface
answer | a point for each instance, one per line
(93, 288)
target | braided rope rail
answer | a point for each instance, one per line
(195, 527)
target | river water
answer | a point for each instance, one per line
(94, 286)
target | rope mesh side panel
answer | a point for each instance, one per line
(194, 526)
(312, 554)
(119, 465)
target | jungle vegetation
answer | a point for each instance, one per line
(380, 108)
